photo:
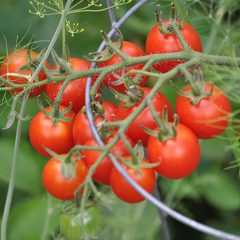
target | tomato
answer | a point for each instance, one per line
(77, 225)
(158, 42)
(145, 119)
(102, 172)
(208, 118)
(57, 185)
(81, 129)
(145, 177)
(75, 91)
(177, 157)
(43, 133)
(132, 50)
(14, 63)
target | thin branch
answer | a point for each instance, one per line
(19, 128)
(180, 37)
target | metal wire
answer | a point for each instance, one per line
(163, 207)
(164, 224)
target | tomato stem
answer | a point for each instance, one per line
(128, 146)
(185, 15)
(173, 13)
(158, 16)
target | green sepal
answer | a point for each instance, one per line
(68, 170)
(108, 52)
(59, 115)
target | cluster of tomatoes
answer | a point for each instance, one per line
(173, 148)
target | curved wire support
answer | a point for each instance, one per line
(163, 207)
(164, 223)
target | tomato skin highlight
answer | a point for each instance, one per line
(13, 64)
(103, 171)
(210, 117)
(145, 119)
(129, 49)
(145, 177)
(81, 128)
(57, 185)
(167, 43)
(177, 157)
(58, 138)
(75, 91)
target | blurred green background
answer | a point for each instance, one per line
(211, 195)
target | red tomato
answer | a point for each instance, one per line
(145, 177)
(145, 119)
(57, 185)
(75, 91)
(210, 117)
(102, 172)
(43, 133)
(81, 129)
(13, 63)
(177, 157)
(158, 42)
(129, 49)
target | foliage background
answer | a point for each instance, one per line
(211, 195)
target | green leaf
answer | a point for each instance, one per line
(29, 165)
(29, 218)
(220, 190)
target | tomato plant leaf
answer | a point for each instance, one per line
(220, 190)
(29, 165)
(24, 214)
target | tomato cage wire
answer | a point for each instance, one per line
(156, 201)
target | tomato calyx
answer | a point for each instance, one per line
(68, 162)
(166, 130)
(166, 27)
(131, 85)
(32, 63)
(133, 95)
(197, 90)
(135, 161)
(63, 66)
(112, 47)
(68, 165)
(55, 114)
(98, 112)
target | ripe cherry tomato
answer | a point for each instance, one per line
(102, 172)
(81, 129)
(145, 119)
(177, 157)
(75, 91)
(132, 50)
(57, 185)
(158, 42)
(14, 63)
(145, 177)
(208, 118)
(43, 133)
